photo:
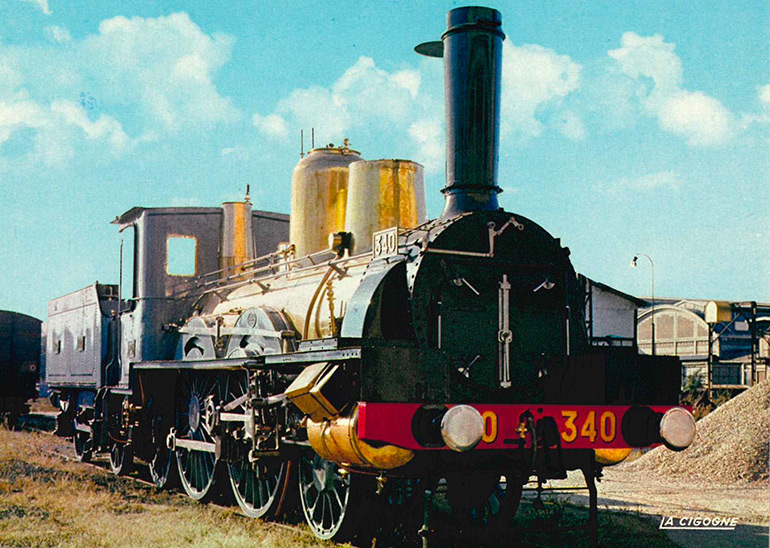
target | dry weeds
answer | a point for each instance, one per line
(50, 501)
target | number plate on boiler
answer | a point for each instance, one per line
(385, 243)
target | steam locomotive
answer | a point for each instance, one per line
(358, 353)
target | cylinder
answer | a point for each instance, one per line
(383, 194)
(319, 190)
(337, 440)
(472, 51)
(237, 244)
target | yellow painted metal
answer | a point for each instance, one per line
(718, 311)
(306, 391)
(608, 457)
(319, 191)
(237, 235)
(383, 194)
(337, 440)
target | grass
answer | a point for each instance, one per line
(616, 529)
(49, 501)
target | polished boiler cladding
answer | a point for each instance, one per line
(319, 193)
(383, 194)
(363, 355)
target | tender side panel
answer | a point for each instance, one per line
(77, 337)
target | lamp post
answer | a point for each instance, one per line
(652, 270)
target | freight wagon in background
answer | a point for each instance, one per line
(19, 364)
(357, 356)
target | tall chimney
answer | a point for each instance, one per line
(472, 52)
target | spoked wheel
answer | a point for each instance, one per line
(333, 504)
(197, 467)
(162, 464)
(163, 470)
(486, 502)
(82, 446)
(259, 487)
(121, 458)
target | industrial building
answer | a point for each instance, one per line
(611, 315)
(728, 343)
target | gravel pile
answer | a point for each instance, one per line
(731, 444)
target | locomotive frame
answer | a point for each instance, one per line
(452, 349)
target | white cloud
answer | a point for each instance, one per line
(41, 4)
(764, 94)
(651, 57)
(763, 116)
(165, 66)
(364, 94)
(698, 118)
(408, 80)
(569, 124)
(105, 127)
(57, 128)
(428, 134)
(273, 125)
(534, 78)
(367, 99)
(316, 107)
(160, 71)
(375, 93)
(661, 180)
(19, 114)
(59, 35)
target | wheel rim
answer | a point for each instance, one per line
(81, 446)
(257, 487)
(196, 468)
(160, 467)
(120, 458)
(324, 495)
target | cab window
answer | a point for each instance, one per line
(181, 255)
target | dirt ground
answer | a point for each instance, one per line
(645, 494)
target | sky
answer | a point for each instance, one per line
(626, 126)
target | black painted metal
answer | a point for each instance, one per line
(472, 53)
